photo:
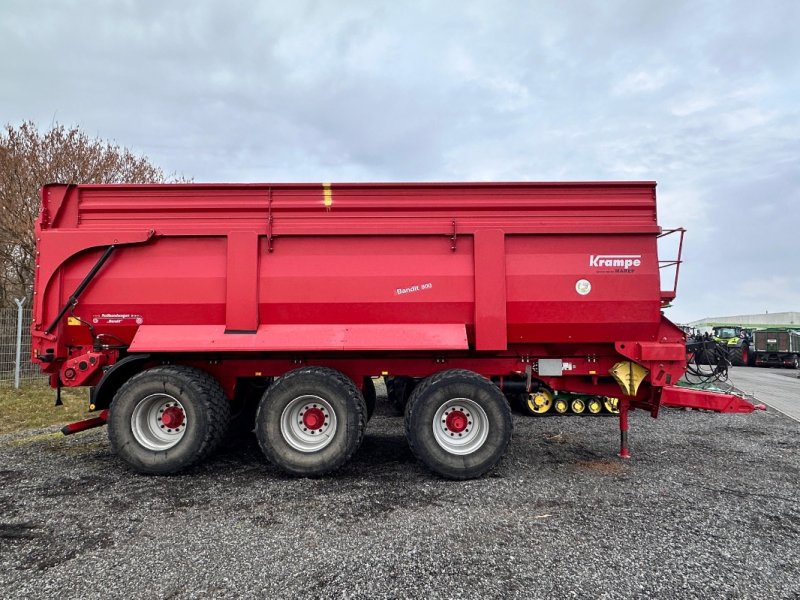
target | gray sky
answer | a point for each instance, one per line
(702, 97)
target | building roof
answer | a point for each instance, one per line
(762, 320)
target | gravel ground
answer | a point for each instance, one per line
(707, 507)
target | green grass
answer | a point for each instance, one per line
(33, 406)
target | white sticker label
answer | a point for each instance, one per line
(583, 287)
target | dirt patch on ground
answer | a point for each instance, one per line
(602, 467)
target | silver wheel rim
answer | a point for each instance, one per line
(448, 421)
(148, 424)
(299, 429)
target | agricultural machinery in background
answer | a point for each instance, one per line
(738, 341)
(777, 347)
(735, 345)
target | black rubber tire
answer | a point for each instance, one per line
(736, 356)
(370, 396)
(399, 390)
(421, 410)
(348, 405)
(207, 414)
(751, 356)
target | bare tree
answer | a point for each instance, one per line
(30, 159)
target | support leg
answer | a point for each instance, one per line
(624, 452)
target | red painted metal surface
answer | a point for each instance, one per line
(380, 254)
(79, 426)
(301, 338)
(681, 397)
(490, 290)
(624, 407)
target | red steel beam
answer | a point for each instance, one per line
(681, 397)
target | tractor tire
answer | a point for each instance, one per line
(165, 419)
(311, 421)
(737, 356)
(458, 424)
(751, 357)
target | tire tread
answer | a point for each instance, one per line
(354, 395)
(413, 404)
(211, 397)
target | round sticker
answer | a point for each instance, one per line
(583, 287)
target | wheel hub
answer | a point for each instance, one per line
(308, 423)
(457, 421)
(460, 426)
(172, 417)
(313, 418)
(158, 422)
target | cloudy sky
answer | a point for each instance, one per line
(703, 97)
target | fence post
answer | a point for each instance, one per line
(19, 340)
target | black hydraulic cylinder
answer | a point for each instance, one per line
(73, 299)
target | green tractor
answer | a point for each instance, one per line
(738, 341)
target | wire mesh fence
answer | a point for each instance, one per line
(28, 372)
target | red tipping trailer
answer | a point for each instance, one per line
(176, 302)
